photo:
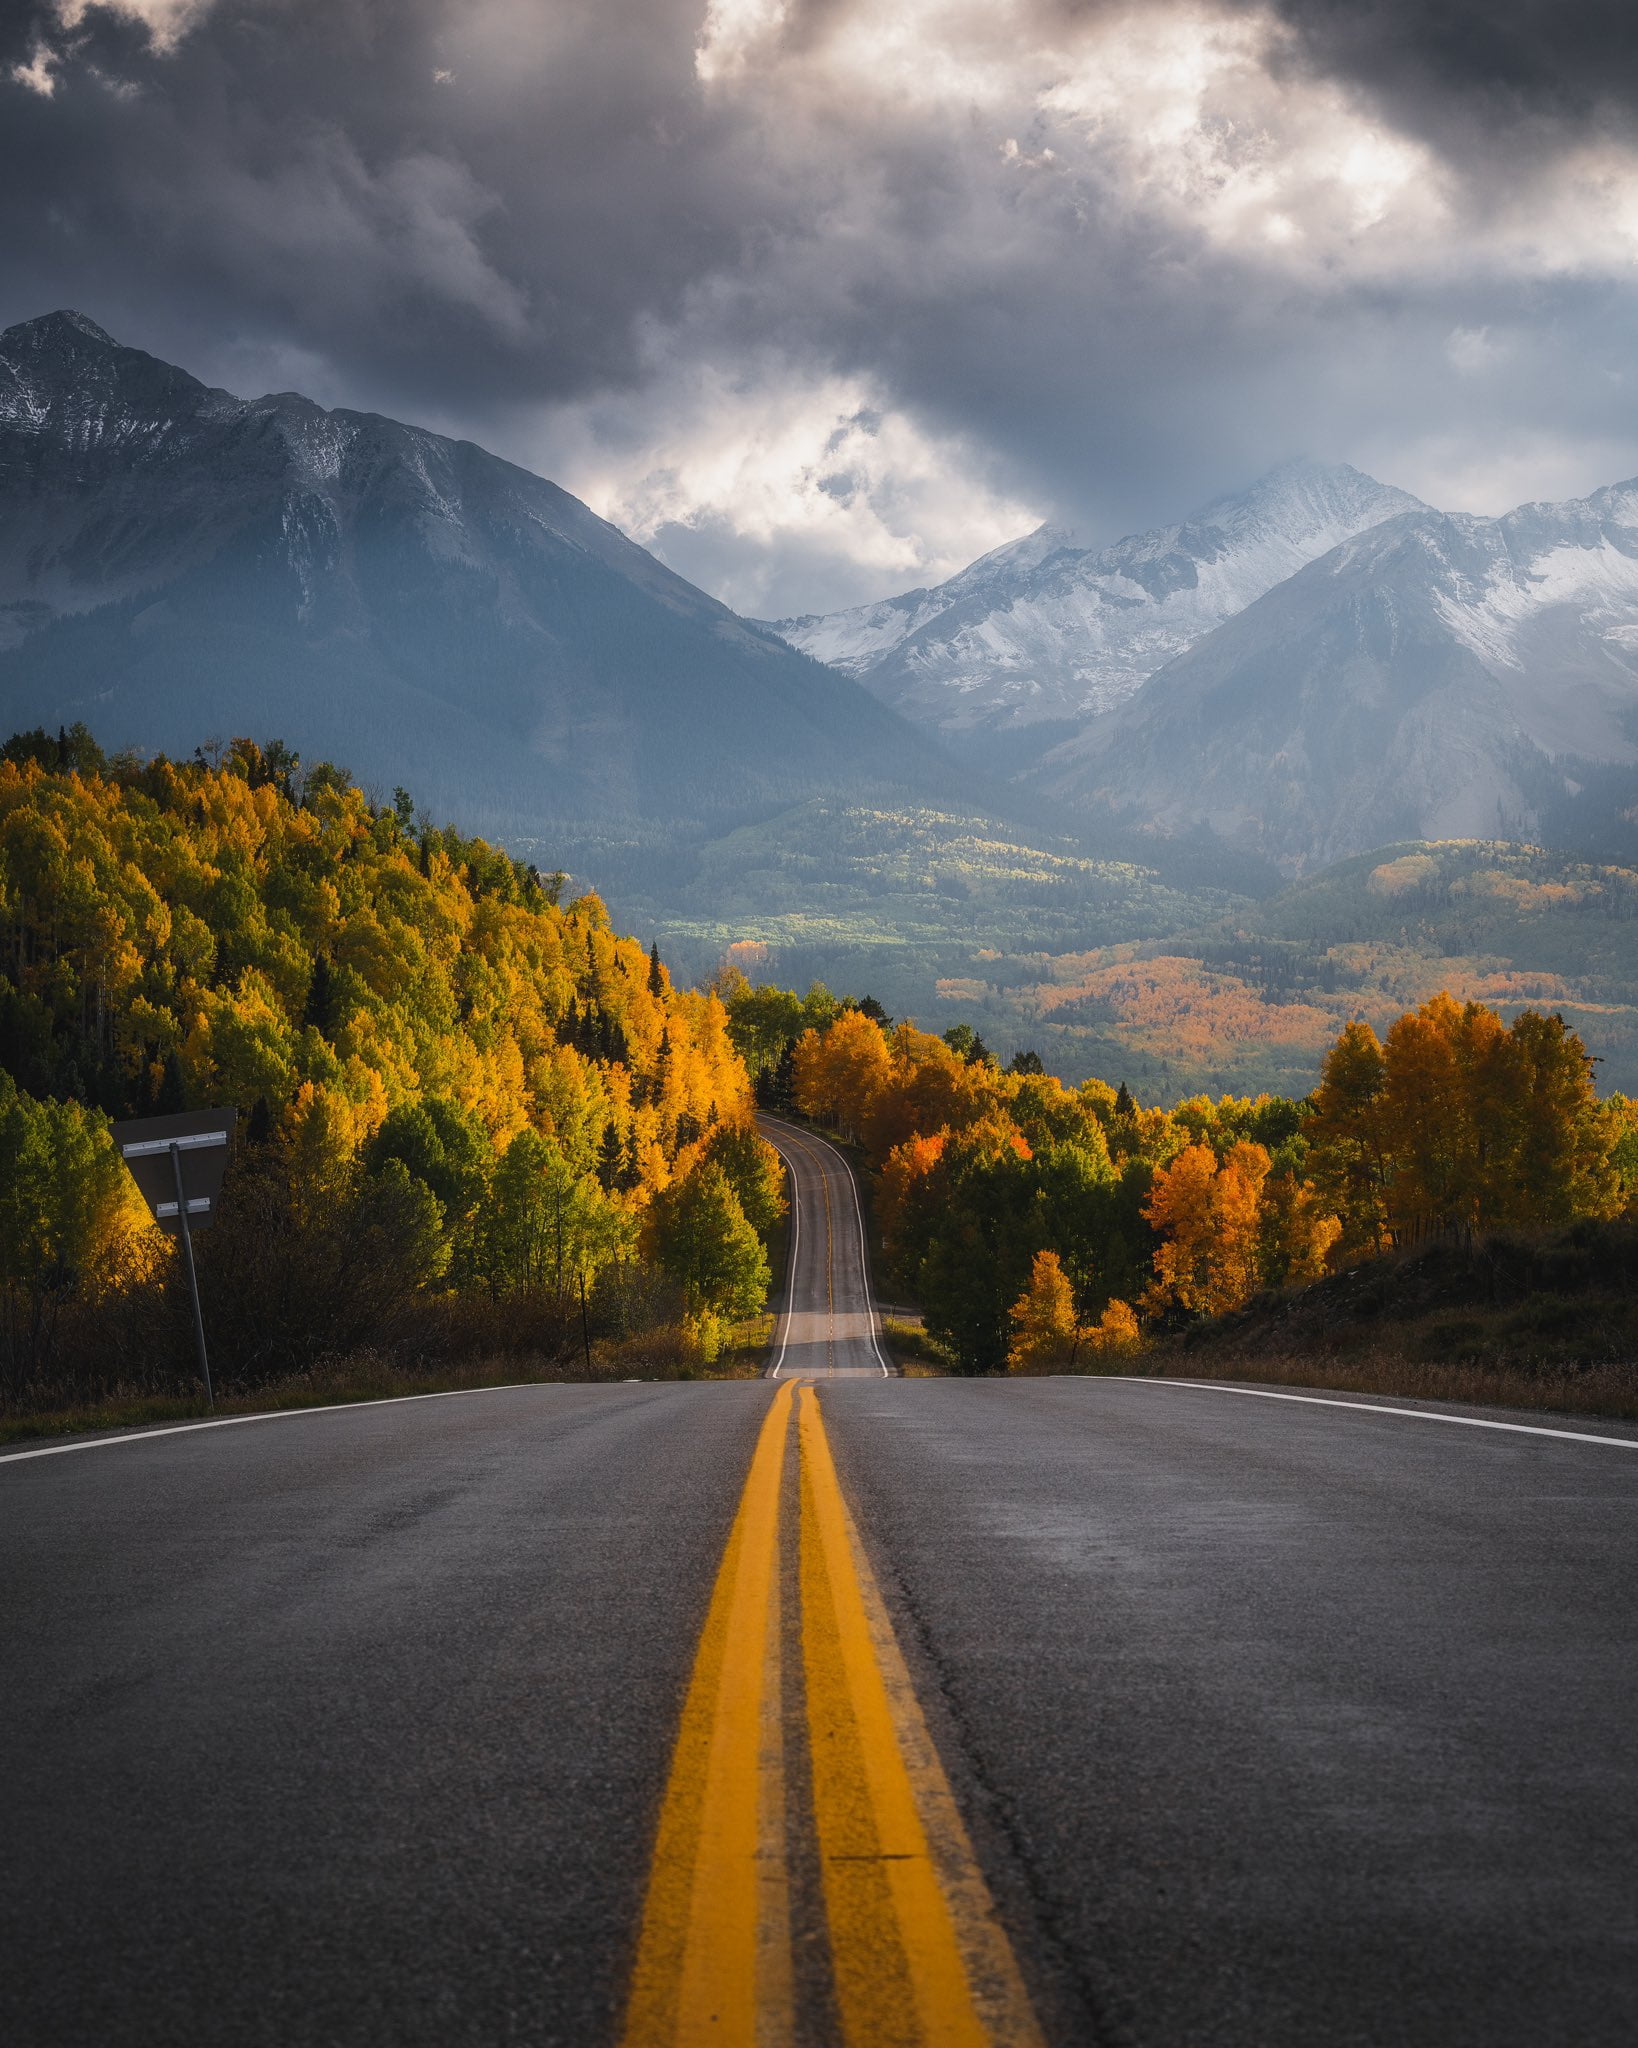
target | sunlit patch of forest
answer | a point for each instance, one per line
(474, 1120)
(1168, 975)
(893, 899)
(1049, 1228)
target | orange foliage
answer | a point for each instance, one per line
(1208, 1262)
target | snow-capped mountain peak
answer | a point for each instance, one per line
(1046, 629)
(1439, 676)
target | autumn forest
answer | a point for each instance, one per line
(477, 1125)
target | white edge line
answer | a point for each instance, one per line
(1574, 1436)
(864, 1247)
(146, 1436)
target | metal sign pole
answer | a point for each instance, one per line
(193, 1274)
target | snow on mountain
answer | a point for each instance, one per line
(1046, 629)
(1441, 676)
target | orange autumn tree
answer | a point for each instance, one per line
(1458, 1123)
(1046, 1331)
(1049, 1337)
(837, 1073)
(1208, 1261)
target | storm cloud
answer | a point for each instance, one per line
(823, 297)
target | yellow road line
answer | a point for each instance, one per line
(919, 1957)
(714, 1956)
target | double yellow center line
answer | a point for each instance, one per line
(917, 1954)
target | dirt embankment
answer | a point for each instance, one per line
(1545, 1322)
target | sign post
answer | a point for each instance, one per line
(178, 1163)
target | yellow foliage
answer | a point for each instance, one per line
(1116, 1331)
(1043, 1320)
(1207, 1263)
(197, 928)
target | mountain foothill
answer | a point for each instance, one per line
(1068, 755)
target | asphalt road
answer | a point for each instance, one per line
(1271, 1722)
(828, 1328)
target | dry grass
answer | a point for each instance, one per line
(917, 1355)
(666, 1354)
(1546, 1322)
(1610, 1390)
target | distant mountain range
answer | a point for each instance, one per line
(1318, 667)
(1439, 677)
(1045, 631)
(177, 562)
(1314, 668)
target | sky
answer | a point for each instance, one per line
(821, 299)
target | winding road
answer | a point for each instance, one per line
(832, 1707)
(828, 1326)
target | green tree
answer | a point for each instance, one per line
(754, 1172)
(67, 1209)
(543, 1225)
(443, 1146)
(1349, 1153)
(704, 1240)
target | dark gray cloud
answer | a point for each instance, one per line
(1100, 261)
(1509, 62)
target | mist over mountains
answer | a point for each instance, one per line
(177, 562)
(1048, 632)
(1317, 667)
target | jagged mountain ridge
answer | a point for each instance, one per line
(176, 561)
(1441, 676)
(1045, 631)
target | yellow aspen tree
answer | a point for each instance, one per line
(1179, 1207)
(1043, 1320)
(1207, 1263)
(1116, 1332)
(1348, 1140)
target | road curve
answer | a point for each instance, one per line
(828, 1328)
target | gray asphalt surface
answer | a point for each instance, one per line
(828, 1327)
(351, 1727)
(1274, 1724)
(1281, 1723)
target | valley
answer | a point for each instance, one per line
(1154, 810)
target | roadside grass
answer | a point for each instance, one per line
(1610, 1390)
(377, 1376)
(745, 1348)
(917, 1355)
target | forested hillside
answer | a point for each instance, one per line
(470, 1114)
(1040, 1225)
(1250, 997)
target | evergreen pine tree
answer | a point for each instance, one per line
(320, 1008)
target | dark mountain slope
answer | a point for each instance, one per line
(175, 561)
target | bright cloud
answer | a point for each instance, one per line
(826, 297)
(166, 21)
(784, 492)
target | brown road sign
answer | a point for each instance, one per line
(202, 1140)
